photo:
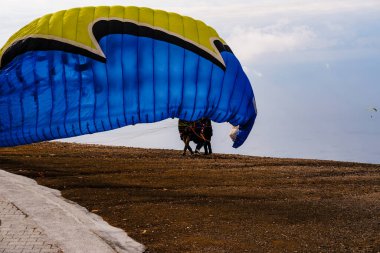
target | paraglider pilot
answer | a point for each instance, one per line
(200, 132)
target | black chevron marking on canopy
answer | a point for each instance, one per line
(101, 29)
(43, 44)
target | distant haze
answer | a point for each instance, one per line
(314, 68)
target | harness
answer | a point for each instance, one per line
(193, 128)
(201, 136)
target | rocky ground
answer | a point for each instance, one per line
(218, 203)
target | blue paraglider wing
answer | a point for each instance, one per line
(134, 65)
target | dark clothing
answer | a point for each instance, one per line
(184, 128)
(207, 134)
(199, 131)
(207, 128)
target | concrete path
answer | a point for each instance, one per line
(20, 234)
(36, 219)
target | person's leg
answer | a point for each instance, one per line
(209, 147)
(186, 140)
(188, 145)
(206, 148)
(185, 148)
(198, 147)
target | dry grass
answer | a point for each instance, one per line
(219, 203)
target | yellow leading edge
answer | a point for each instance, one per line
(74, 26)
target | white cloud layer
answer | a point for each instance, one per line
(249, 42)
(243, 8)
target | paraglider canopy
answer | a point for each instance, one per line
(94, 69)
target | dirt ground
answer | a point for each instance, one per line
(219, 203)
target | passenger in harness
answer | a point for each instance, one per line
(206, 134)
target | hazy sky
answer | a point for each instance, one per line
(314, 68)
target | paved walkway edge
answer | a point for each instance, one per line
(73, 227)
